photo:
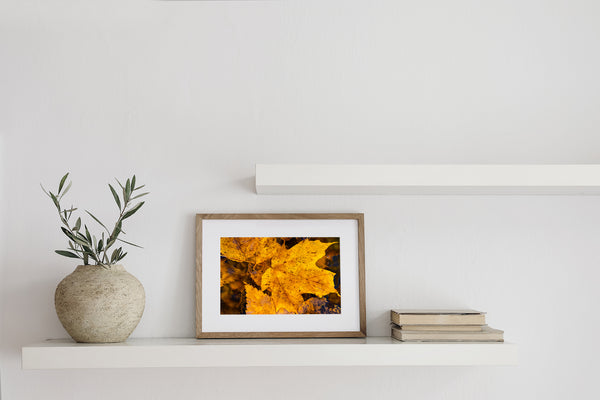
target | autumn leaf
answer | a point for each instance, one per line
(232, 286)
(318, 305)
(256, 271)
(253, 250)
(264, 276)
(294, 272)
(287, 286)
(231, 300)
(258, 302)
(285, 297)
(306, 252)
(232, 276)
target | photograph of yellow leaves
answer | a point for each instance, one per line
(280, 275)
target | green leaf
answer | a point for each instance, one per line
(87, 234)
(80, 242)
(133, 183)
(116, 231)
(115, 254)
(81, 235)
(44, 190)
(123, 190)
(139, 195)
(97, 220)
(62, 182)
(122, 256)
(99, 246)
(129, 243)
(66, 253)
(127, 190)
(78, 238)
(68, 233)
(139, 187)
(77, 224)
(115, 195)
(133, 210)
(90, 253)
(55, 200)
(66, 190)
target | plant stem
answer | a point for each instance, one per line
(77, 247)
(125, 204)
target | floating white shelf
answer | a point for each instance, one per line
(172, 353)
(424, 179)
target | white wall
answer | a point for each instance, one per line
(190, 94)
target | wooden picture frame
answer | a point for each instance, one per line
(320, 315)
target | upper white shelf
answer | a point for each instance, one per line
(428, 179)
(170, 353)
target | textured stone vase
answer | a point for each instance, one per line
(99, 305)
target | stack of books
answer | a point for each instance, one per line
(443, 326)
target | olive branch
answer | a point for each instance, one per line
(82, 244)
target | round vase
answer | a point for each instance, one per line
(97, 304)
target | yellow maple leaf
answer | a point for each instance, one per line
(258, 302)
(306, 252)
(294, 272)
(254, 250)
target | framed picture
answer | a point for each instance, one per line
(280, 275)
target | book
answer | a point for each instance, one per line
(437, 317)
(450, 328)
(487, 334)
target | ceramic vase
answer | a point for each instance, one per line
(97, 304)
